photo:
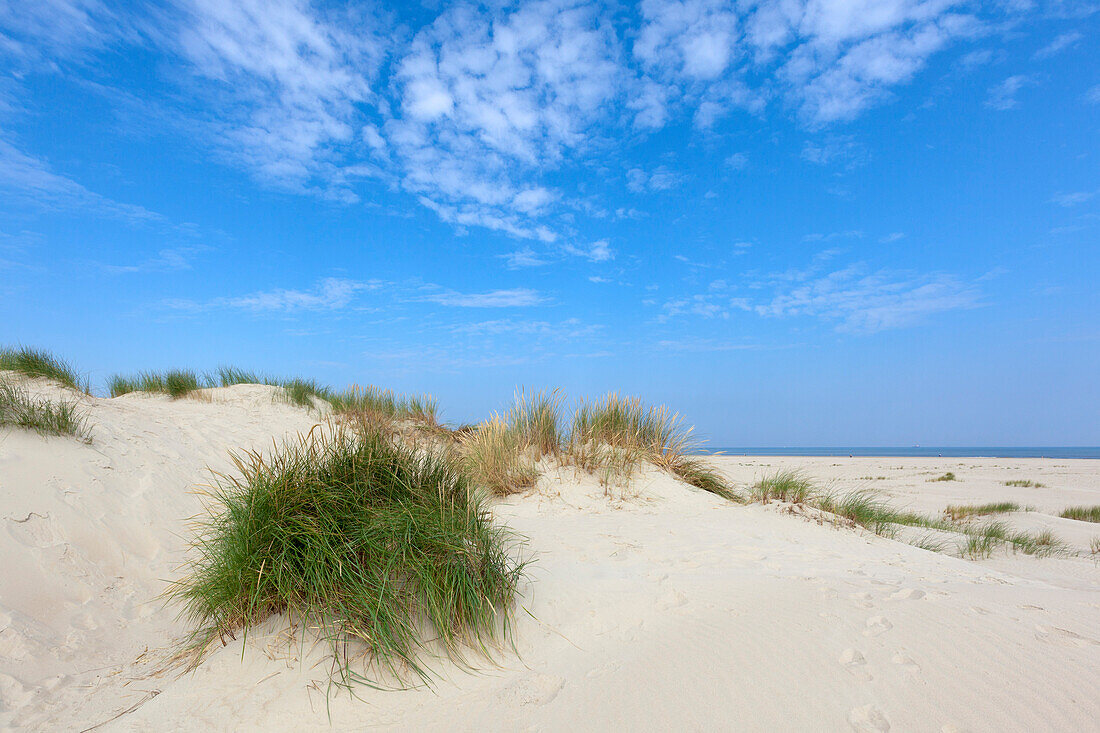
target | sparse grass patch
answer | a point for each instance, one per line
(301, 392)
(1094, 545)
(357, 537)
(175, 383)
(790, 486)
(616, 435)
(37, 363)
(19, 409)
(962, 511)
(1025, 484)
(383, 406)
(1082, 513)
(946, 477)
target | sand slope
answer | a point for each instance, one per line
(664, 609)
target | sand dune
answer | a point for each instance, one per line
(659, 607)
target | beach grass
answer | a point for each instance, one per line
(535, 422)
(385, 406)
(790, 486)
(176, 383)
(495, 459)
(867, 509)
(1082, 513)
(1025, 484)
(18, 408)
(354, 535)
(37, 363)
(963, 511)
(946, 477)
(615, 435)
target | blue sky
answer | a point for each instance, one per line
(799, 222)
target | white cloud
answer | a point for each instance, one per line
(1073, 197)
(525, 257)
(892, 237)
(598, 251)
(1059, 44)
(329, 294)
(1003, 96)
(490, 98)
(660, 179)
(514, 298)
(867, 302)
(474, 112)
(28, 183)
(1092, 96)
(287, 84)
(737, 161)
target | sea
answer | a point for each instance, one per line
(916, 451)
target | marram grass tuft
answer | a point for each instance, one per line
(367, 541)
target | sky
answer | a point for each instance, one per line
(796, 222)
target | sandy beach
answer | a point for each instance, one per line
(655, 606)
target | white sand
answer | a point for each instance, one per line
(666, 609)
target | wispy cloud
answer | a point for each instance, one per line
(28, 183)
(1059, 44)
(286, 84)
(1003, 96)
(473, 112)
(860, 301)
(330, 294)
(1072, 198)
(513, 298)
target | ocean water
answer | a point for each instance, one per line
(919, 451)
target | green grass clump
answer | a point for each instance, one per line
(1025, 484)
(946, 477)
(535, 422)
(385, 406)
(19, 409)
(1082, 513)
(37, 363)
(175, 383)
(297, 391)
(360, 538)
(982, 541)
(790, 486)
(962, 511)
(870, 511)
(302, 392)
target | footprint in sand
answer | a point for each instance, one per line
(863, 600)
(856, 663)
(534, 689)
(908, 594)
(877, 625)
(868, 719)
(904, 660)
(1063, 637)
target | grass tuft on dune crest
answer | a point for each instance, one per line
(791, 486)
(19, 409)
(36, 363)
(616, 435)
(1082, 513)
(176, 383)
(360, 538)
